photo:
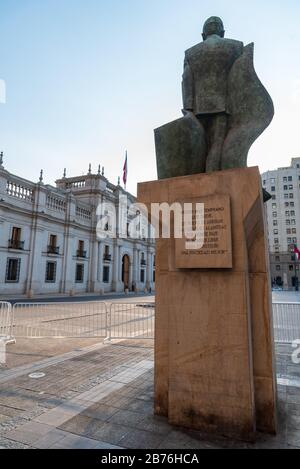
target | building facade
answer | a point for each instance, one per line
(49, 242)
(283, 221)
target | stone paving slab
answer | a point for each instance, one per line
(108, 403)
(7, 375)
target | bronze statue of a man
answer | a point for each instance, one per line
(205, 85)
(225, 108)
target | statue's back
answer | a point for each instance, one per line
(210, 63)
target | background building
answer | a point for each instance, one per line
(48, 241)
(283, 219)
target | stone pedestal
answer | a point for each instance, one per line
(214, 360)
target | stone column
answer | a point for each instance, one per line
(34, 285)
(68, 279)
(94, 286)
(36, 247)
(130, 273)
(134, 267)
(116, 261)
(148, 270)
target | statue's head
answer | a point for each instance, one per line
(214, 25)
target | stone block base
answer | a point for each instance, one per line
(214, 358)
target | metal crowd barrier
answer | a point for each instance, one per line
(60, 320)
(111, 321)
(286, 320)
(6, 323)
(130, 321)
(84, 320)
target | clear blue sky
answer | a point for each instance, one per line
(88, 79)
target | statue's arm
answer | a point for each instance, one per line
(187, 87)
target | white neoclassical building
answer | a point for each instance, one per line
(49, 243)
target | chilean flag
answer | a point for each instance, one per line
(125, 170)
(297, 252)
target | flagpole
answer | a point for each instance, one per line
(125, 170)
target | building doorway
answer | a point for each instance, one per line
(125, 271)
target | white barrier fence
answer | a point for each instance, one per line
(60, 320)
(83, 320)
(110, 321)
(6, 322)
(130, 321)
(286, 320)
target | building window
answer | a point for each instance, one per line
(275, 222)
(287, 222)
(285, 179)
(79, 273)
(288, 231)
(142, 276)
(52, 248)
(291, 196)
(275, 232)
(50, 272)
(292, 213)
(53, 240)
(277, 258)
(291, 268)
(272, 181)
(293, 222)
(274, 214)
(15, 241)
(287, 204)
(107, 255)
(81, 252)
(273, 197)
(274, 206)
(276, 241)
(273, 189)
(278, 268)
(105, 274)
(13, 270)
(287, 214)
(289, 240)
(292, 204)
(290, 178)
(285, 188)
(143, 260)
(294, 231)
(291, 188)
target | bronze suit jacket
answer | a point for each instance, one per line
(206, 70)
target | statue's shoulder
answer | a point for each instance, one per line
(235, 43)
(202, 46)
(194, 49)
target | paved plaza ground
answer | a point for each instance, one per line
(101, 396)
(96, 395)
